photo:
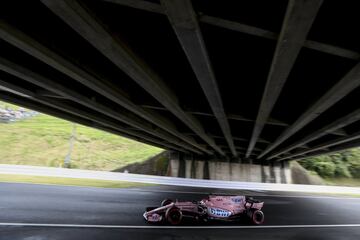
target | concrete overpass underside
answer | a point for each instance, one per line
(259, 80)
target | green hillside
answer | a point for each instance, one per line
(341, 168)
(44, 141)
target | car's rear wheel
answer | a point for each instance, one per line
(257, 217)
(173, 215)
(166, 202)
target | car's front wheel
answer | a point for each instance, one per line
(173, 215)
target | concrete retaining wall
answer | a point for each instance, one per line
(229, 171)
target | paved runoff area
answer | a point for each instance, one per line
(31, 211)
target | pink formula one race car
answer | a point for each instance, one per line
(225, 208)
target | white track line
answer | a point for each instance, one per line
(175, 227)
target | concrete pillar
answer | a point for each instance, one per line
(188, 165)
(174, 168)
(245, 172)
(199, 169)
(174, 164)
(282, 173)
(272, 173)
(212, 170)
(193, 169)
(255, 173)
(266, 174)
(277, 172)
(222, 171)
(182, 169)
(235, 172)
(206, 170)
(185, 166)
(287, 172)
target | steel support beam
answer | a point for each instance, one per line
(243, 28)
(347, 84)
(339, 132)
(236, 138)
(337, 148)
(260, 140)
(299, 18)
(321, 146)
(305, 146)
(230, 116)
(259, 32)
(81, 20)
(140, 4)
(55, 87)
(238, 27)
(184, 22)
(46, 93)
(93, 81)
(238, 147)
(270, 121)
(10, 87)
(328, 129)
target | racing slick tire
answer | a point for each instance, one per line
(257, 217)
(173, 216)
(166, 202)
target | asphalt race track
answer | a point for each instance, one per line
(35, 212)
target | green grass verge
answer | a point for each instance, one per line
(69, 181)
(335, 194)
(9, 105)
(350, 182)
(44, 141)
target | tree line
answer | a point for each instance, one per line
(342, 164)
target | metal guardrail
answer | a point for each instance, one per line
(187, 182)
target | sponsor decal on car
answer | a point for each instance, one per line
(154, 217)
(219, 212)
(236, 200)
